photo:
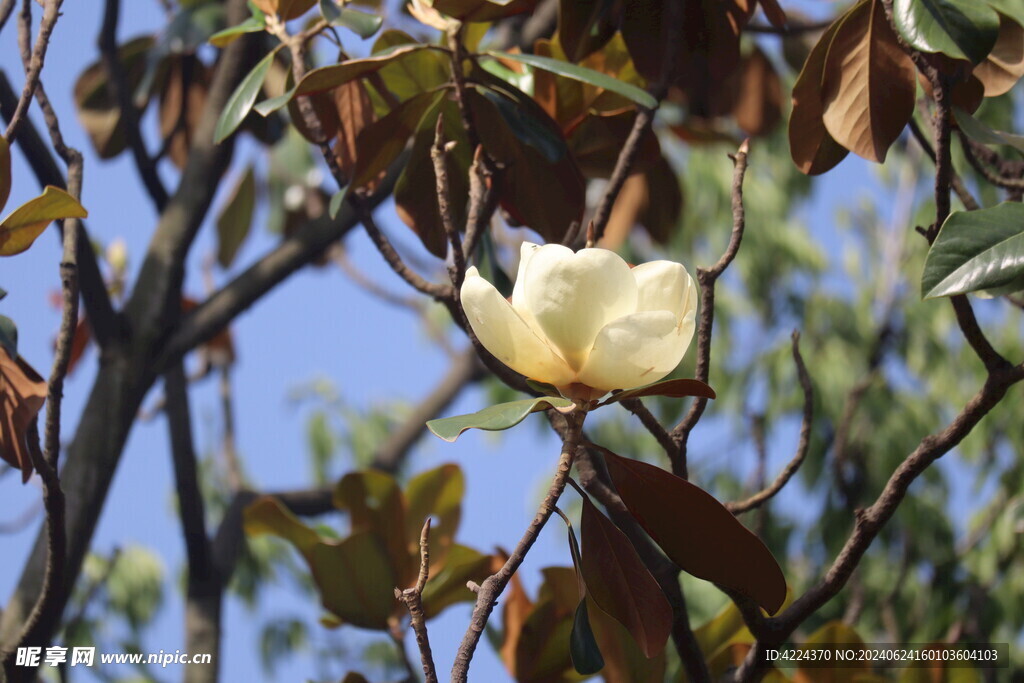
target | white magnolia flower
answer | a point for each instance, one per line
(585, 322)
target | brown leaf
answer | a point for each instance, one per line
(355, 112)
(624, 662)
(597, 141)
(772, 10)
(653, 199)
(181, 104)
(326, 111)
(586, 25)
(759, 107)
(869, 83)
(1004, 65)
(813, 149)
(697, 532)
(97, 110)
(620, 584)
(79, 342)
(22, 394)
(483, 10)
(517, 607)
(288, 9)
(544, 196)
(967, 90)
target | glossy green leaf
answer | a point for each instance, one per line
(697, 532)
(539, 387)
(362, 24)
(9, 335)
(5, 172)
(235, 219)
(230, 35)
(977, 250)
(583, 74)
(356, 580)
(527, 128)
(583, 647)
(21, 228)
(414, 74)
(328, 77)
(673, 388)
(962, 29)
(242, 99)
(494, 418)
(981, 132)
(272, 104)
(620, 584)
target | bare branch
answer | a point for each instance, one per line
(763, 496)
(438, 151)
(438, 292)
(623, 167)
(483, 201)
(51, 10)
(493, 585)
(413, 600)
(707, 278)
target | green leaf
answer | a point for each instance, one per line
(673, 388)
(21, 228)
(267, 516)
(540, 387)
(436, 493)
(375, 503)
(697, 532)
(981, 132)
(585, 75)
(5, 171)
(620, 584)
(525, 127)
(962, 29)
(9, 336)
(328, 77)
(242, 99)
(583, 648)
(977, 250)
(355, 579)
(447, 584)
(362, 24)
(494, 418)
(230, 35)
(337, 199)
(272, 104)
(417, 73)
(236, 218)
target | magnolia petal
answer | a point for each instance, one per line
(573, 295)
(664, 286)
(504, 334)
(637, 349)
(526, 252)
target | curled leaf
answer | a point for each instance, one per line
(22, 394)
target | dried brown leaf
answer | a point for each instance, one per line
(813, 149)
(22, 394)
(1004, 65)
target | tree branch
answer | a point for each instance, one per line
(623, 167)
(51, 10)
(413, 600)
(117, 84)
(707, 278)
(493, 585)
(763, 496)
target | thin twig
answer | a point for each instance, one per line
(980, 156)
(492, 587)
(413, 600)
(438, 152)
(957, 183)
(51, 10)
(707, 278)
(438, 292)
(483, 201)
(623, 167)
(760, 498)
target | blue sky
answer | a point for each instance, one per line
(316, 325)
